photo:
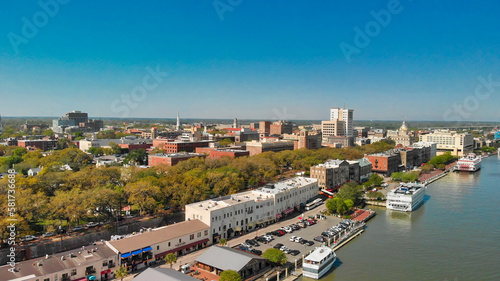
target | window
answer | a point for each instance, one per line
(157, 248)
(180, 240)
(104, 263)
(46, 279)
(199, 234)
(206, 232)
(169, 244)
(191, 237)
(73, 272)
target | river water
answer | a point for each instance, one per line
(455, 235)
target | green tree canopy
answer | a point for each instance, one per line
(170, 258)
(275, 256)
(229, 275)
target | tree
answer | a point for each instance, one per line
(441, 166)
(229, 275)
(225, 142)
(349, 204)
(331, 205)
(121, 272)
(170, 259)
(223, 242)
(350, 191)
(138, 156)
(96, 151)
(376, 180)
(144, 194)
(375, 195)
(427, 167)
(116, 149)
(275, 256)
(48, 132)
(342, 207)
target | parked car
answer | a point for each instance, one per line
(246, 245)
(49, 234)
(294, 252)
(78, 228)
(309, 242)
(295, 227)
(261, 239)
(28, 238)
(285, 249)
(302, 224)
(302, 241)
(278, 246)
(244, 248)
(255, 251)
(92, 224)
(320, 239)
(269, 238)
(297, 239)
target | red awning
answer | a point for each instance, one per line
(181, 248)
(105, 271)
(288, 211)
(278, 215)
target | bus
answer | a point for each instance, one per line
(313, 204)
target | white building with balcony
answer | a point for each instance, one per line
(230, 215)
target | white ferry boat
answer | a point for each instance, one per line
(469, 163)
(406, 197)
(319, 262)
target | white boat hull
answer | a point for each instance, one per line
(317, 275)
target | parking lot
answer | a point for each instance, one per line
(307, 233)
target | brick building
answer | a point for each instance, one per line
(171, 159)
(255, 147)
(281, 127)
(385, 163)
(39, 144)
(265, 127)
(173, 146)
(218, 153)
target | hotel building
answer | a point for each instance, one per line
(230, 215)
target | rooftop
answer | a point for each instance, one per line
(227, 258)
(179, 155)
(319, 253)
(407, 189)
(58, 262)
(157, 235)
(260, 194)
(164, 274)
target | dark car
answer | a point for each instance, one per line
(252, 242)
(255, 251)
(309, 243)
(243, 248)
(320, 239)
(260, 239)
(278, 245)
(302, 241)
(294, 252)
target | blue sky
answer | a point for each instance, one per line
(255, 60)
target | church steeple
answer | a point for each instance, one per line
(178, 127)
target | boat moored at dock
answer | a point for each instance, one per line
(319, 262)
(406, 197)
(469, 163)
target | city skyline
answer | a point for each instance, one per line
(253, 60)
